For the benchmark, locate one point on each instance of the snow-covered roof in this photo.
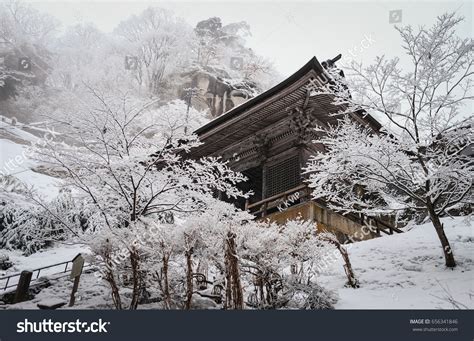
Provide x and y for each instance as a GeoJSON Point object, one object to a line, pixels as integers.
{"type": "Point", "coordinates": [312, 64]}
{"type": "Point", "coordinates": [267, 109]}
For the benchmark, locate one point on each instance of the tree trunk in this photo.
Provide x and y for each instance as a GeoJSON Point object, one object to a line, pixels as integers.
{"type": "Point", "coordinates": [234, 292]}
{"type": "Point", "coordinates": [448, 252]}
{"type": "Point", "coordinates": [228, 281]}
{"type": "Point", "coordinates": [166, 286]}
{"type": "Point", "coordinates": [189, 279]}
{"type": "Point", "coordinates": [351, 278]}
{"type": "Point", "coordinates": [115, 291]}
{"type": "Point", "coordinates": [135, 263]}
{"type": "Point", "coordinates": [109, 277]}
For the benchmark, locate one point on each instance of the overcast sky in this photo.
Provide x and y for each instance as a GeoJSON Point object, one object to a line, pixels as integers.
{"type": "Point", "coordinates": [289, 34]}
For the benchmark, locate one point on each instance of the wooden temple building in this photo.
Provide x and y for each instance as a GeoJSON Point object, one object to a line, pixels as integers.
{"type": "Point", "coordinates": [270, 137]}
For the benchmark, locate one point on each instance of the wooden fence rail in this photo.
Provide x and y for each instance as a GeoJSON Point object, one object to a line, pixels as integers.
{"type": "Point", "coordinates": [36, 273]}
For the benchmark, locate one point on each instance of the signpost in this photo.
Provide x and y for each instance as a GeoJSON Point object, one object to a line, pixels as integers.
{"type": "Point", "coordinates": [23, 286]}
{"type": "Point", "coordinates": [76, 271]}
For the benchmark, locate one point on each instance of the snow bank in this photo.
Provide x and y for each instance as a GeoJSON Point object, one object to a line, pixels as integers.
{"type": "Point", "coordinates": [58, 254]}
{"type": "Point", "coordinates": [14, 161]}
{"type": "Point", "coordinates": [15, 133]}
{"type": "Point", "coordinates": [406, 271]}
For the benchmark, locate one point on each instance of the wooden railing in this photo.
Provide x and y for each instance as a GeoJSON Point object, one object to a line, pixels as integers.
{"type": "Point", "coordinates": [9, 283]}
{"type": "Point", "coordinates": [261, 207]}
{"type": "Point", "coordinates": [377, 223]}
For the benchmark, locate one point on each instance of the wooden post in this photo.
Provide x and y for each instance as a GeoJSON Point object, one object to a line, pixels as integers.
{"type": "Point", "coordinates": [76, 271]}
{"type": "Point", "coordinates": [74, 290]}
{"type": "Point", "coordinates": [22, 287]}
{"type": "Point", "coordinates": [264, 181]}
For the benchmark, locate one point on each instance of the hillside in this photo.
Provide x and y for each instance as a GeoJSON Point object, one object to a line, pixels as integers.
{"type": "Point", "coordinates": [403, 271]}
{"type": "Point", "coordinates": [16, 163]}
{"type": "Point", "coordinates": [406, 271]}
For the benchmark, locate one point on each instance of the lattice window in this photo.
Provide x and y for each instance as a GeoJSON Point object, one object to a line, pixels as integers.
{"type": "Point", "coordinates": [283, 176]}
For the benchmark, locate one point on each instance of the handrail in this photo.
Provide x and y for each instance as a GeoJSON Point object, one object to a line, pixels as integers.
{"type": "Point", "coordinates": [6, 286]}
{"type": "Point", "coordinates": [263, 207]}
{"type": "Point", "coordinates": [277, 196]}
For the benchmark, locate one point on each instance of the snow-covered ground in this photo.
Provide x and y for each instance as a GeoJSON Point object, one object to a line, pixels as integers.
{"type": "Point", "coordinates": [92, 292]}
{"type": "Point", "coordinates": [402, 271]}
{"type": "Point", "coordinates": [15, 161]}
{"type": "Point", "coordinates": [406, 271]}
{"type": "Point", "coordinates": [59, 254]}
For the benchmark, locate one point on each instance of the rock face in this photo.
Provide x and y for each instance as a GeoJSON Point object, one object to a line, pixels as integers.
{"type": "Point", "coordinates": [214, 90]}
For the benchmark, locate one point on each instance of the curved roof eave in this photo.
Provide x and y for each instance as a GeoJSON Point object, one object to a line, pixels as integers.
{"type": "Point", "coordinates": [312, 64]}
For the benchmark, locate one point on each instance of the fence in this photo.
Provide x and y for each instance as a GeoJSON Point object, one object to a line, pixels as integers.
{"type": "Point", "coordinates": [11, 281]}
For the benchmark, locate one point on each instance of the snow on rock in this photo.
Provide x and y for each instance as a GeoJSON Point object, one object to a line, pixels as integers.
{"type": "Point", "coordinates": [406, 271]}
{"type": "Point", "coordinates": [14, 161]}
{"type": "Point", "coordinates": [14, 133]}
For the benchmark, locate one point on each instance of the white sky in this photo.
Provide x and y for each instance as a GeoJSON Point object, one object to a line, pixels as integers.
{"type": "Point", "coordinates": [289, 34]}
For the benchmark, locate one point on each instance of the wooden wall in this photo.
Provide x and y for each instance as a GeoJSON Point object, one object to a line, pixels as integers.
{"type": "Point", "coordinates": [326, 220]}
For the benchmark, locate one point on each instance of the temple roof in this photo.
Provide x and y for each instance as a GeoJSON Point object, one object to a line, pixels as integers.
{"type": "Point", "coordinates": [268, 109]}
{"type": "Point", "coordinates": [312, 64]}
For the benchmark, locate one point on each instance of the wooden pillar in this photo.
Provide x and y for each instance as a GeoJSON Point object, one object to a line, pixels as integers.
{"type": "Point", "coordinates": [23, 286]}
{"type": "Point", "coordinates": [75, 286]}
{"type": "Point", "coordinates": [76, 271]}
{"type": "Point", "coordinates": [264, 181]}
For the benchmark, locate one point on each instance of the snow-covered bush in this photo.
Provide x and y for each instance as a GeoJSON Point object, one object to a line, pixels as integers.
{"type": "Point", "coordinates": [308, 296]}
{"type": "Point", "coordinates": [20, 229]}
{"type": "Point", "coordinates": [32, 227]}
{"type": "Point", "coordinates": [282, 261]}
{"type": "Point", "coordinates": [5, 262]}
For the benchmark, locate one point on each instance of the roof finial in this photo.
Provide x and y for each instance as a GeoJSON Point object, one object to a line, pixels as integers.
{"type": "Point", "coordinates": [330, 62]}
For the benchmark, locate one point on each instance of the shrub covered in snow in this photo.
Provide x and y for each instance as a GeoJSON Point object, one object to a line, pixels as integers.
{"type": "Point", "coordinates": [5, 262]}
{"type": "Point", "coordinates": [32, 227]}
{"type": "Point", "coordinates": [309, 296]}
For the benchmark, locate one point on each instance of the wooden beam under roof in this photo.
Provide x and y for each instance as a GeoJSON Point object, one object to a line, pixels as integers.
{"type": "Point", "coordinates": [267, 109]}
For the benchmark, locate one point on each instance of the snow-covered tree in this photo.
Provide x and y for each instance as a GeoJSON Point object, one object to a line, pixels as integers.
{"type": "Point", "coordinates": [161, 42]}
{"type": "Point", "coordinates": [282, 262]}
{"type": "Point", "coordinates": [25, 34]}
{"type": "Point", "coordinates": [419, 165]}
{"type": "Point", "coordinates": [214, 39]}
{"type": "Point", "coordinates": [85, 55]}
{"type": "Point", "coordinates": [216, 236]}
{"type": "Point", "coordinates": [21, 24]}
{"type": "Point", "coordinates": [217, 44]}
{"type": "Point", "coordinates": [130, 168]}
